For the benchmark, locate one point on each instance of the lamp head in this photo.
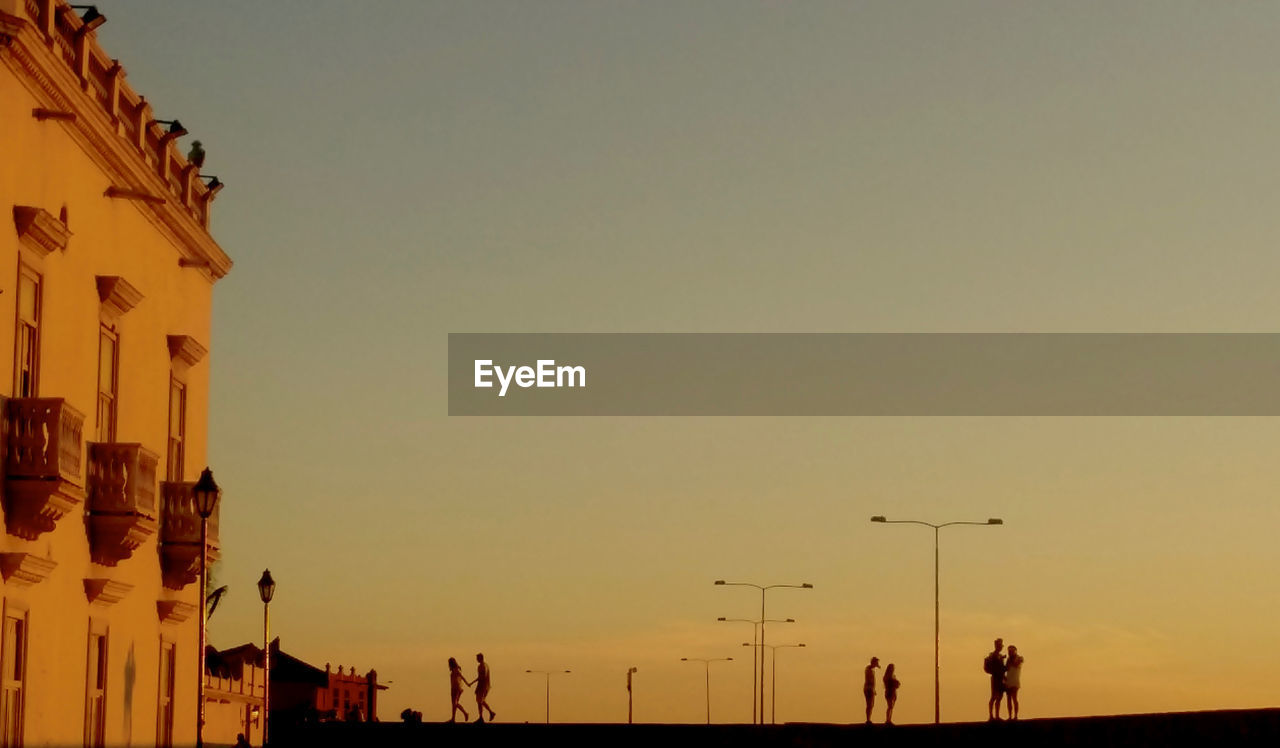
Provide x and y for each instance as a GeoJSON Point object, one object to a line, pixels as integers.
{"type": "Point", "coordinates": [206, 493]}
{"type": "Point", "coordinates": [995, 521]}
{"type": "Point", "coordinates": [175, 127]}
{"type": "Point", "coordinates": [722, 618]}
{"type": "Point", "coordinates": [878, 518]}
{"type": "Point", "coordinates": [806, 586]}
{"type": "Point", "coordinates": [719, 581]}
{"type": "Point", "coordinates": [266, 586]}
{"type": "Point", "coordinates": [91, 19]}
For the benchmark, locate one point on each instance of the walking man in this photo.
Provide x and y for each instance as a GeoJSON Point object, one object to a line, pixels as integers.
{"type": "Point", "coordinates": [869, 685]}
{"type": "Point", "coordinates": [482, 688]}
{"type": "Point", "coordinates": [994, 666]}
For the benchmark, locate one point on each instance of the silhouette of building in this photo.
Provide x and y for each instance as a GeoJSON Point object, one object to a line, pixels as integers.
{"type": "Point", "coordinates": [302, 693]}
{"type": "Point", "coordinates": [107, 271]}
{"type": "Point", "coordinates": [233, 690]}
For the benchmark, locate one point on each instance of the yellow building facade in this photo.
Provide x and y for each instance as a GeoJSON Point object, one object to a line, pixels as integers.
{"type": "Point", "coordinates": [107, 271]}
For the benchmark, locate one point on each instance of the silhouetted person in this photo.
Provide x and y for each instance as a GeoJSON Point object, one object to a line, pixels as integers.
{"type": "Point", "coordinates": [456, 681]}
{"type": "Point", "coordinates": [241, 741]}
{"type": "Point", "coordinates": [482, 688]}
{"type": "Point", "coordinates": [1013, 680]}
{"type": "Point", "coordinates": [869, 685]}
{"type": "Point", "coordinates": [891, 684]}
{"type": "Point", "coordinates": [994, 666]}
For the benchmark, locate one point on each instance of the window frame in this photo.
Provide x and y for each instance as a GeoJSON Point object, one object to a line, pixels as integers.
{"type": "Point", "coordinates": [21, 615]}
{"type": "Point", "coordinates": [27, 271]}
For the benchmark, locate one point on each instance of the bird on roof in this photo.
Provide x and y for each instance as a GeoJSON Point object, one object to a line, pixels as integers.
{"type": "Point", "coordinates": [196, 156]}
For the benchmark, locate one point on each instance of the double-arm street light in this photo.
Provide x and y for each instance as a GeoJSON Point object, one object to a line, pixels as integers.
{"type": "Point", "coordinates": [205, 494]}
{"type": "Point", "coordinates": [266, 590]}
{"type": "Point", "coordinates": [755, 640]}
{"type": "Point", "coordinates": [763, 589]}
{"type": "Point", "coordinates": [773, 667]}
{"type": "Point", "coordinates": [548, 674]}
{"type": "Point", "coordinates": [707, 664]}
{"type": "Point", "coordinates": [937, 687]}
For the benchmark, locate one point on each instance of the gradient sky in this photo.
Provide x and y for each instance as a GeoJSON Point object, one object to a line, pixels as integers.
{"type": "Point", "coordinates": [399, 171]}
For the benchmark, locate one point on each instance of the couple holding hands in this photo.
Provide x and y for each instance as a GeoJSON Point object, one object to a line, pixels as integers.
{"type": "Point", "coordinates": [457, 681]}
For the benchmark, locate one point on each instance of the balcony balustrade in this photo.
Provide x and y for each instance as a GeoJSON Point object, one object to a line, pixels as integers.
{"type": "Point", "coordinates": [43, 456]}
{"type": "Point", "coordinates": [122, 500]}
{"type": "Point", "coordinates": [180, 534]}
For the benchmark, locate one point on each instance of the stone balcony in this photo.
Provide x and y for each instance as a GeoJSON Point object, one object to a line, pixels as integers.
{"type": "Point", "coordinates": [180, 534]}
{"type": "Point", "coordinates": [44, 449]}
{"type": "Point", "coordinates": [122, 500]}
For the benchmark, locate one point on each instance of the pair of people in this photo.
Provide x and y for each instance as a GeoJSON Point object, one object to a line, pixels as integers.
{"type": "Point", "coordinates": [891, 684]}
{"type": "Point", "coordinates": [457, 681]}
{"type": "Point", "coordinates": [1006, 679]}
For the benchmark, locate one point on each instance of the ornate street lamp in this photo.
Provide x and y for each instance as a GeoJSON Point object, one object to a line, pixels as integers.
{"type": "Point", "coordinates": [206, 494]}
{"type": "Point", "coordinates": [266, 590]}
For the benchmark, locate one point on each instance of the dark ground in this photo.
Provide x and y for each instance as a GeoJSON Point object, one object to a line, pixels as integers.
{"type": "Point", "coordinates": [1228, 728]}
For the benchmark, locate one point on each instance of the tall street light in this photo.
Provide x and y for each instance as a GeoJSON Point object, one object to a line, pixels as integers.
{"type": "Point", "coordinates": [630, 672]}
{"type": "Point", "coordinates": [548, 674]}
{"type": "Point", "coordinates": [937, 682]}
{"type": "Point", "coordinates": [773, 687]}
{"type": "Point", "coordinates": [763, 589]}
{"type": "Point", "coordinates": [707, 664]}
{"type": "Point", "coordinates": [266, 590]}
{"type": "Point", "coordinates": [205, 494]}
{"type": "Point", "coordinates": [755, 639]}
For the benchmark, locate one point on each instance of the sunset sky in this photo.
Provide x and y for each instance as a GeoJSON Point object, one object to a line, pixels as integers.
{"type": "Point", "coordinates": [399, 171]}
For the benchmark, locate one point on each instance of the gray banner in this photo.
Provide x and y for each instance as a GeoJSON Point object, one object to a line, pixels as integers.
{"type": "Point", "coordinates": [887, 374]}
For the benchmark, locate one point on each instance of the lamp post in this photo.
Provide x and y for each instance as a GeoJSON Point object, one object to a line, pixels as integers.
{"type": "Point", "coordinates": [937, 680]}
{"type": "Point", "coordinates": [548, 674]}
{"type": "Point", "coordinates": [773, 687]}
{"type": "Point", "coordinates": [707, 664]}
{"type": "Point", "coordinates": [763, 589]}
{"type": "Point", "coordinates": [630, 672]}
{"type": "Point", "coordinates": [205, 494]}
{"type": "Point", "coordinates": [755, 638]}
{"type": "Point", "coordinates": [266, 590]}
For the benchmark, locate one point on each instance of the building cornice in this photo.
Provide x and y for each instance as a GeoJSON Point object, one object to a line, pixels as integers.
{"type": "Point", "coordinates": [106, 592]}
{"type": "Point", "coordinates": [181, 215]}
{"type": "Point", "coordinates": [117, 294]}
{"type": "Point", "coordinates": [39, 230]}
{"type": "Point", "coordinates": [186, 350]}
{"type": "Point", "coordinates": [174, 611]}
{"type": "Point", "coordinates": [25, 569]}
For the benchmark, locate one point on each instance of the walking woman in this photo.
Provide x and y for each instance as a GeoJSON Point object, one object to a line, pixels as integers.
{"type": "Point", "coordinates": [455, 690]}
{"type": "Point", "coordinates": [1013, 680]}
{"type": "Point", "coordinates": [890, 693]}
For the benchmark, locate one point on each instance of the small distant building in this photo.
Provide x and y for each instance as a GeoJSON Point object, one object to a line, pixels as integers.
{"type": "Point", "coordinates": [302, 693]}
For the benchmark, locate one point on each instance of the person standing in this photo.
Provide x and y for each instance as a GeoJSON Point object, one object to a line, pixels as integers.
{"type": "Point", "coordinates": [1012, 680]}
{"type": "Point", "coordinates": [869, 685]}
{"type": "Point", "coordinates": [994, 666]}
{"type": "Point", "coordinates": [456, 681]}
{"type": "Point", "coordinates": [482, 688]}
{"type": "Point", "coordinates": [890, 692]}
